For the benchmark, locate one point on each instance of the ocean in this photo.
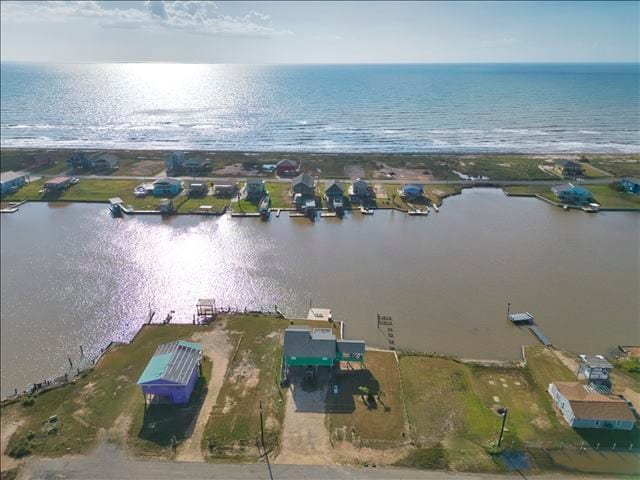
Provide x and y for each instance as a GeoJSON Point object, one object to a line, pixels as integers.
{"type": "Point", "coordinates": [464, 108]}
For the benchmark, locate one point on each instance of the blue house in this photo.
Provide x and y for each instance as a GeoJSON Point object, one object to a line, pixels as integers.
{"type": "Point", "coordinates": [569, 193]}
{"type": "Point", "coordinates": [167, 187]}
{"type": "Point", "coordinates": [12, 181]}
{"type": "Point", "coordinates": [172, 372]}
{"type": "Point", "coordinates": [174, 162]}
{"type": "Point", "coordinates": [630, 185]}
{"type": "Point", "coordinates": [412, 190]}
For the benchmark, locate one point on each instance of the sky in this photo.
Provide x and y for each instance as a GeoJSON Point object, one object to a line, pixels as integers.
{"type": "Point", "coordinates": [319, 32]}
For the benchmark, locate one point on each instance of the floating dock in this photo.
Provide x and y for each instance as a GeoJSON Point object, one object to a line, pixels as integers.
{"type": "Point", "coordinates": [520, 318]}
{"type": "Point", "coordinates": [319, 314]}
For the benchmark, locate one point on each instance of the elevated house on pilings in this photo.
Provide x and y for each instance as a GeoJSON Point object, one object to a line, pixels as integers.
{"type": "Point", "coordinates": [317, 348]}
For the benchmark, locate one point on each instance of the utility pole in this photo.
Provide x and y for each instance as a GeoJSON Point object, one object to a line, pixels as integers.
{"type": "Point", "coordinates": [262, 428]}
{"type": "Point", "coordinates": [508, 309]}
{"type": "Point", "coordinates": [504, 419]}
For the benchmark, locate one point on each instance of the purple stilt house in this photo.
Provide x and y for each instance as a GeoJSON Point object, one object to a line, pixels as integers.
{"type": "Point", "coordinates": [172, 372]}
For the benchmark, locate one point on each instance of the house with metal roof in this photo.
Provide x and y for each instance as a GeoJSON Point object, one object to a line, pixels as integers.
{"type": "Point", "coordinates": [168, 186]}
{"type": "Point", "coordinates": [11, 181]}
{"type": "Point", "coordinates": [286, 168]}
{"type": "Point", "coordinates": [568, 168]}
{"type": "Point", "coordinates": [304, 185]}
{"type": "Point", "coordinates": [318, 347]}
{"type": "Point", "coordinates": [595, 368]}
{"type": "Point", "coordinates": [334, 189]}
{"type": "Point", "coordinates": [172, 372]}
{"type": "Point", "coordinates": [630, 185]}
{"type": "Point", "coordinates": [591, 406]}
{"type": "Point", "coordinates": [412, 190]}
{"type": "Point", "coordinates": [570, 193]}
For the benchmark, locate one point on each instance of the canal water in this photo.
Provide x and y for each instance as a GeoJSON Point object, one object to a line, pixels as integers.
{"type": "Point", "coordinates": [72, 275]}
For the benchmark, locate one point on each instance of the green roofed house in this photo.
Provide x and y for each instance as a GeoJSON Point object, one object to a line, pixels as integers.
{"type": "Point", "coordinates": [318, 347]}
{"type": "Point", "coordinates": [172, 372]}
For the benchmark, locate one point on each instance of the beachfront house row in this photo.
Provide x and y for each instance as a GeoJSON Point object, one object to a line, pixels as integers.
{"type": "Point", "coordinates": [167, 187]}
{"type": "Point", "coordinates": [58, 183]}
{"type": "Point", "coordinates": [630, 185]}
{"type": "Point", "coordinates": [172, 373]}
{"type": "Point", "coordinates": [318, 347]}
{"type": "Point", "coordinates": [334, 190]}
{"type": "Point", "coordinates": [286, 168]}
{"type": "Point", "coordinates": [255, 189]}
{"type": "Point", "coordinates": [11, 181]}
{"type": "Point", "coordinates": [568, 168]}
{"type": "Point", "coordinates": [412, 190]}
{"type": "Point", "coordinates": [569, 193]}
{"type": "Point", "coordinates": [587, 406]}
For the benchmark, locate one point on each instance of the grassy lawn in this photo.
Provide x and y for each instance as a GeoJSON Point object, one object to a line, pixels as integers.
{"type": "Point", "coordinates": [620, 166]}
{"type": "Point", "coordinates": [434, 193]}
{"type": "Point", "coordinates": [378, 423]}
{"type": "Point", "coordinates": [527, 190]}
{"type": "Point", "coordinates": [153, 428]}
{"type": "Point", "coordinates": [94, 401]}
{"type": "Point", "coordinates": [443, 408]}
{"type": "Point", "coordinates": [252, 375]}
{"type": "Point", "coordinates": [279, 193]}
{"type": "Point", "coordinates": [185, 204]}
{"type": "Point", "coordinates": [610, 198]}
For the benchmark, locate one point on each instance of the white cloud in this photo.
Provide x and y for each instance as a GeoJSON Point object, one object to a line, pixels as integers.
{"type": "Point", "coordinates": [193, 16]}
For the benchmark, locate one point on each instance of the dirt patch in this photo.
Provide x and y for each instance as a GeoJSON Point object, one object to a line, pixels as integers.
{"type": "Point", "coordinates": [354, 171]}
{"type": "Point", "coordinates": [235, 169]}
{"type": "Point", "coordinates": [216, 346]}
{"type": "Point", "coordinates": [8, 426]}
{"type": "Point", "coordinates": [245, 373]}
{"type": "Point", "coordinates": [400, 174]}
{"type": "Point", "coordinates": [146, 168]}
{"type": "Point", "coordinates": [567, 361]}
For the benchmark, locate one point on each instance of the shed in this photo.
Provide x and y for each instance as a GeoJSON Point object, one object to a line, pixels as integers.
{"type": "Point", "coordinates": [412, 190]}
{"type": "Point", "coordinates": [172, 372]}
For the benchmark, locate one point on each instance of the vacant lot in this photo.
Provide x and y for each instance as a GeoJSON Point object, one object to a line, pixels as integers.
{"type": "Point", "coordinates": [93, 402]}
{"type": "Point", "coordinates": [606, 196]}
{"type": "Point", "coordinates": [377, 421]}
{"type": "Point", "coordinates": [280, 195]}
{"type": "Point", "coordinates": [252, 376]}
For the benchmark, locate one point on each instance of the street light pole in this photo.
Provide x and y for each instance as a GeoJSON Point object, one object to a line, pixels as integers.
{"type": "Point", "coordinates": [504, 419]}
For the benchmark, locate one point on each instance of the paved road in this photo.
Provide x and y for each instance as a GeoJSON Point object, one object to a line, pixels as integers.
{"type": "Point", "coordinates": [108, 462]}
{"type": "Point", "coordinates": [587, 181]}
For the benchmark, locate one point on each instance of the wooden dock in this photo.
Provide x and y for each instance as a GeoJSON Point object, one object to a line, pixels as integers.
{"type": "Point", "coordinates": [541, 336]}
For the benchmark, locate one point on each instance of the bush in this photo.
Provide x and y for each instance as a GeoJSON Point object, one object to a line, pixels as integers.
{"type": "Point", "coordinates": [27, 402]}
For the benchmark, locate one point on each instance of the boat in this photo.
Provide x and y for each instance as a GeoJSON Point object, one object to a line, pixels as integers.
{"type": "Point", "coordinates": [566, 207]}
{"type": "Point", "coordinates": [366, 211]}
{"type": "Point", "coordinates": [418, 212]}
{"type": "Point", "coordinates": [75, 180]}
{"type": "Point", "coordinates": [116, 210]}
{"type": "Point", "coordinates": [591, 208]}
{"type": "Point", "coordinates": [264, 208]}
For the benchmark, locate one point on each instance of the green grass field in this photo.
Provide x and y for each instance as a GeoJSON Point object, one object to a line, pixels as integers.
{"type": "Point", "coordinates": [252, 376]}
{"type": "Point", "coordinates": [94, 401]}
{"type": "Point", "coordinates": [377, 424]}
